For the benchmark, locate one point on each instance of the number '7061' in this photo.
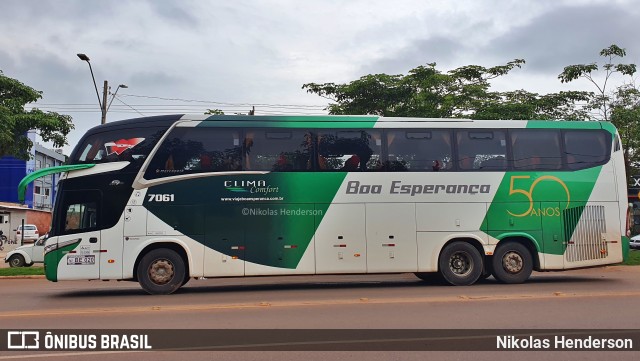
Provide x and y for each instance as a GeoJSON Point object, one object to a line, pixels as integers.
{"type": "Point", "coordinates": [161, 197]}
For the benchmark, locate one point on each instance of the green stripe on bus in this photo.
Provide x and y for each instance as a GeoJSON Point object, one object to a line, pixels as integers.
{"type": "Point", "coordinates": [294, 118]}
{"type": "Point", "coordinates": [290, 124]}
{"type": "Point", "coordinates": [272, 222]}
{"type": "Point", "coordinates": [551, 124]}
{"type": "Point", "coordinates": [546, 202]}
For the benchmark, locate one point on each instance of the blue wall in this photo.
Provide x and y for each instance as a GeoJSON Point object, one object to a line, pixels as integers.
{"type": "Point", "coordinates": [12, 171]}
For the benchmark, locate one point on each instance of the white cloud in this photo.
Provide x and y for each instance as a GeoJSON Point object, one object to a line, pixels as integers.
{"type": "Point", "coordinates": [263, 51]}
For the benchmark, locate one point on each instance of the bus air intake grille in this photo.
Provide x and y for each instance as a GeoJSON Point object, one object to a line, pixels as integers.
{"type": "Point", "coordinates": [587, 241]}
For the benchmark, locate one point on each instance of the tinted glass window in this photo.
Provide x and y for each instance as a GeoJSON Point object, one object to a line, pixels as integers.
{"type": "Point", "coordinates": [481, 150]}
{"type": "Point", "coordinates": [80, 211]}
{"type": "Point", "coordinates": [535, 149]}
{"type": "Point", "coordinates": [419, 150]}
{"type": "Point", "coordinates": [348, 150]}
{"type": "Point", "coordinates": [197, 150]}
{"type": "Point", "coordinates": [278, 150]}
{"type": "Point", "coordinates": [132, 145]}
{"type": "Point", "coordinates": [586, 148]}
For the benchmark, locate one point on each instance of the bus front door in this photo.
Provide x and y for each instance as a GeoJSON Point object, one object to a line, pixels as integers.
{"type": "Point", "coordinates": [79, 242]}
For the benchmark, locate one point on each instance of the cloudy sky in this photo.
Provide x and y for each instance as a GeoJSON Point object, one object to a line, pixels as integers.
{"type": "Point", "coordinates": [181, 56]}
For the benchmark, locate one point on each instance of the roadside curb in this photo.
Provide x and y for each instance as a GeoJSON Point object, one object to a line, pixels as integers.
{"type": "Point", "coordinates": [21, 277]}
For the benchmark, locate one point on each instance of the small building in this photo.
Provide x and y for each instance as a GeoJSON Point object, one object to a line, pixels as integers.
{"type": "Point", "coordinates": [40, 195]}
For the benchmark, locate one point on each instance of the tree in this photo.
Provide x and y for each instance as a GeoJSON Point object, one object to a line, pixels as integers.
{"type": "Point", "coordinates": [621, 106]}
{"type": "Point", "coordinates": [524, 105]}
{"type": "Point", "coordinates": [603, 100]}
{"type": "Point", "coordinates": [15, 121]}
{"type": "Point", "coordinates": [462, 92]}
{"type": "Point", "coordinates": [424, 92]}
{"type": "Point", "coordinates": [625, 115]}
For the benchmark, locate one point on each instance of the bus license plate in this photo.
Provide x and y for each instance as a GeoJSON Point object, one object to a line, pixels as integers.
{"type": "Point", "coordinates": [75, 260]}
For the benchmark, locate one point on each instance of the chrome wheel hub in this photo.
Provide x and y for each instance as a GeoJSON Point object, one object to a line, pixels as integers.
{"type": "Point", "coordinates": [460, 263]}
{"type": "Point", "coordinates": [161, 271]}
{"type": "Point", "coordinates": [512, 262]}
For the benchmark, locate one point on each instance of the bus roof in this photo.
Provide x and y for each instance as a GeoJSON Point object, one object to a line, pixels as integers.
{"type": "Point", "coordinates": [345, 121]}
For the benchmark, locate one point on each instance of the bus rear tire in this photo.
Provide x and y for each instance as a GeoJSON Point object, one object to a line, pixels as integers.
{"type": "Point", "coordinates": [161, 271]}
{"type": "Point", "coordinates": [460, 264]}
{"type": "Point", "coordinates": [512, 263]}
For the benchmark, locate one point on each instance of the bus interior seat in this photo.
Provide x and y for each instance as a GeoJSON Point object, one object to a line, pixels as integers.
{"type": "Point", "coordinates": [498, 163]}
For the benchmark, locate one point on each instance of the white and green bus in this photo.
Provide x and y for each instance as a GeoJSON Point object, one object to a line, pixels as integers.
{"type": "Point", "coordinates": [161, 200]}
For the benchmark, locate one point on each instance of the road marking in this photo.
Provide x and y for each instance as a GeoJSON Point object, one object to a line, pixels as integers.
{"type": "Point", "coordinates": [263, 305]}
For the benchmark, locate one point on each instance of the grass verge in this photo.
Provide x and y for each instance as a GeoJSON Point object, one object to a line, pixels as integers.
{"type": "Point", "coordinates": [634, 258]}
{"type": "Point", "coordinates": [22, 271]}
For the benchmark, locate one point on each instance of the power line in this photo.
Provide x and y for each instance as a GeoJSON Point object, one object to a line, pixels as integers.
{"type": "Point", "coordinates": [132, 109]}
{"type": "Point", "coordinates": [223, 103]}
{"type": "Point", "coordinates": [120, 100]}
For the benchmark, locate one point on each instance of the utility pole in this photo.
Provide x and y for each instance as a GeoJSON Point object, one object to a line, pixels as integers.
{"type": "Point", "coordinates": [105, 91]}
{"type": "Point", "coordinates": [104, 102]}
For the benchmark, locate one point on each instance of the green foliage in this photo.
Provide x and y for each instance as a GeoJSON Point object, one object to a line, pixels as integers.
{"type": "Point", "coordinates": [521, 104]}
{"type": "Point", "coordinates": [15, 121]}
{"type": "Point", "coordinates": [625, 116]}
{"type": "Point", "coordinates": [462, 92]}
{"type": "Point", "coordinates": [423, 92]}
{"type": "Point", "coordinates": [603, 99]}
{"type": "Point", "coordinates": [621, 106]}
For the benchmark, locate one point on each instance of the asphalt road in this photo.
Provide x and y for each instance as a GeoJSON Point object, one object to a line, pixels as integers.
{"type": "Point", "coordinates": [601, 298]}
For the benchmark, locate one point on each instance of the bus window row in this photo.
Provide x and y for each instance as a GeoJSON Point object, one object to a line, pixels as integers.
{"type": "Point", "coordinates": [197, 150]}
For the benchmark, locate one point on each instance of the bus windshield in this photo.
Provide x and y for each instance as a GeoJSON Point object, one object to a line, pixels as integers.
{"type": "Point", "coordinates": [132, 145]}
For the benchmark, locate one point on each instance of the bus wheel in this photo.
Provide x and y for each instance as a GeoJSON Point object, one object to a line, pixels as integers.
{"type": "Point", "coordinates": [161, 271]}
{"type": "Point", "coordinates": [460, 264]}
{"type": "Point", "coordinates": [512, 263]}
{"type": "Point", "coordinates": [186, 279]}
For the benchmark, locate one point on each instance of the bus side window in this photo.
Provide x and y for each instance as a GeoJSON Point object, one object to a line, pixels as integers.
{"type": "Point", "coordinates": [476, 147]}
{"type": "Point", "coordinates": [586, 148]}
{"type": "Point", "coordinates": [536, 149]}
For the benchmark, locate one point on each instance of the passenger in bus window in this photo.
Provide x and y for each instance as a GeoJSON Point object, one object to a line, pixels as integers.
{"type": "Point", "coordinates": [283, 163]}
{"type": "Point", "coordinates": [321, 161]}
{"type": "Point", "coordinates": [466, 161]}
{"type": "Point", "coordinates": [168, 165]}
{"type": "Point", "coordinates": [205, 162]}
{"type": "Point", "coordinates": [247, 145]}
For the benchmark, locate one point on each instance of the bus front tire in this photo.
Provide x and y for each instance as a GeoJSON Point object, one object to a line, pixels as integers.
{"type": "Point", "coordinates": [512, 263]}
{"type": "Point", "coordinates": [161, 271]}
{"type": "Point", "coordinates": [460, 264]}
